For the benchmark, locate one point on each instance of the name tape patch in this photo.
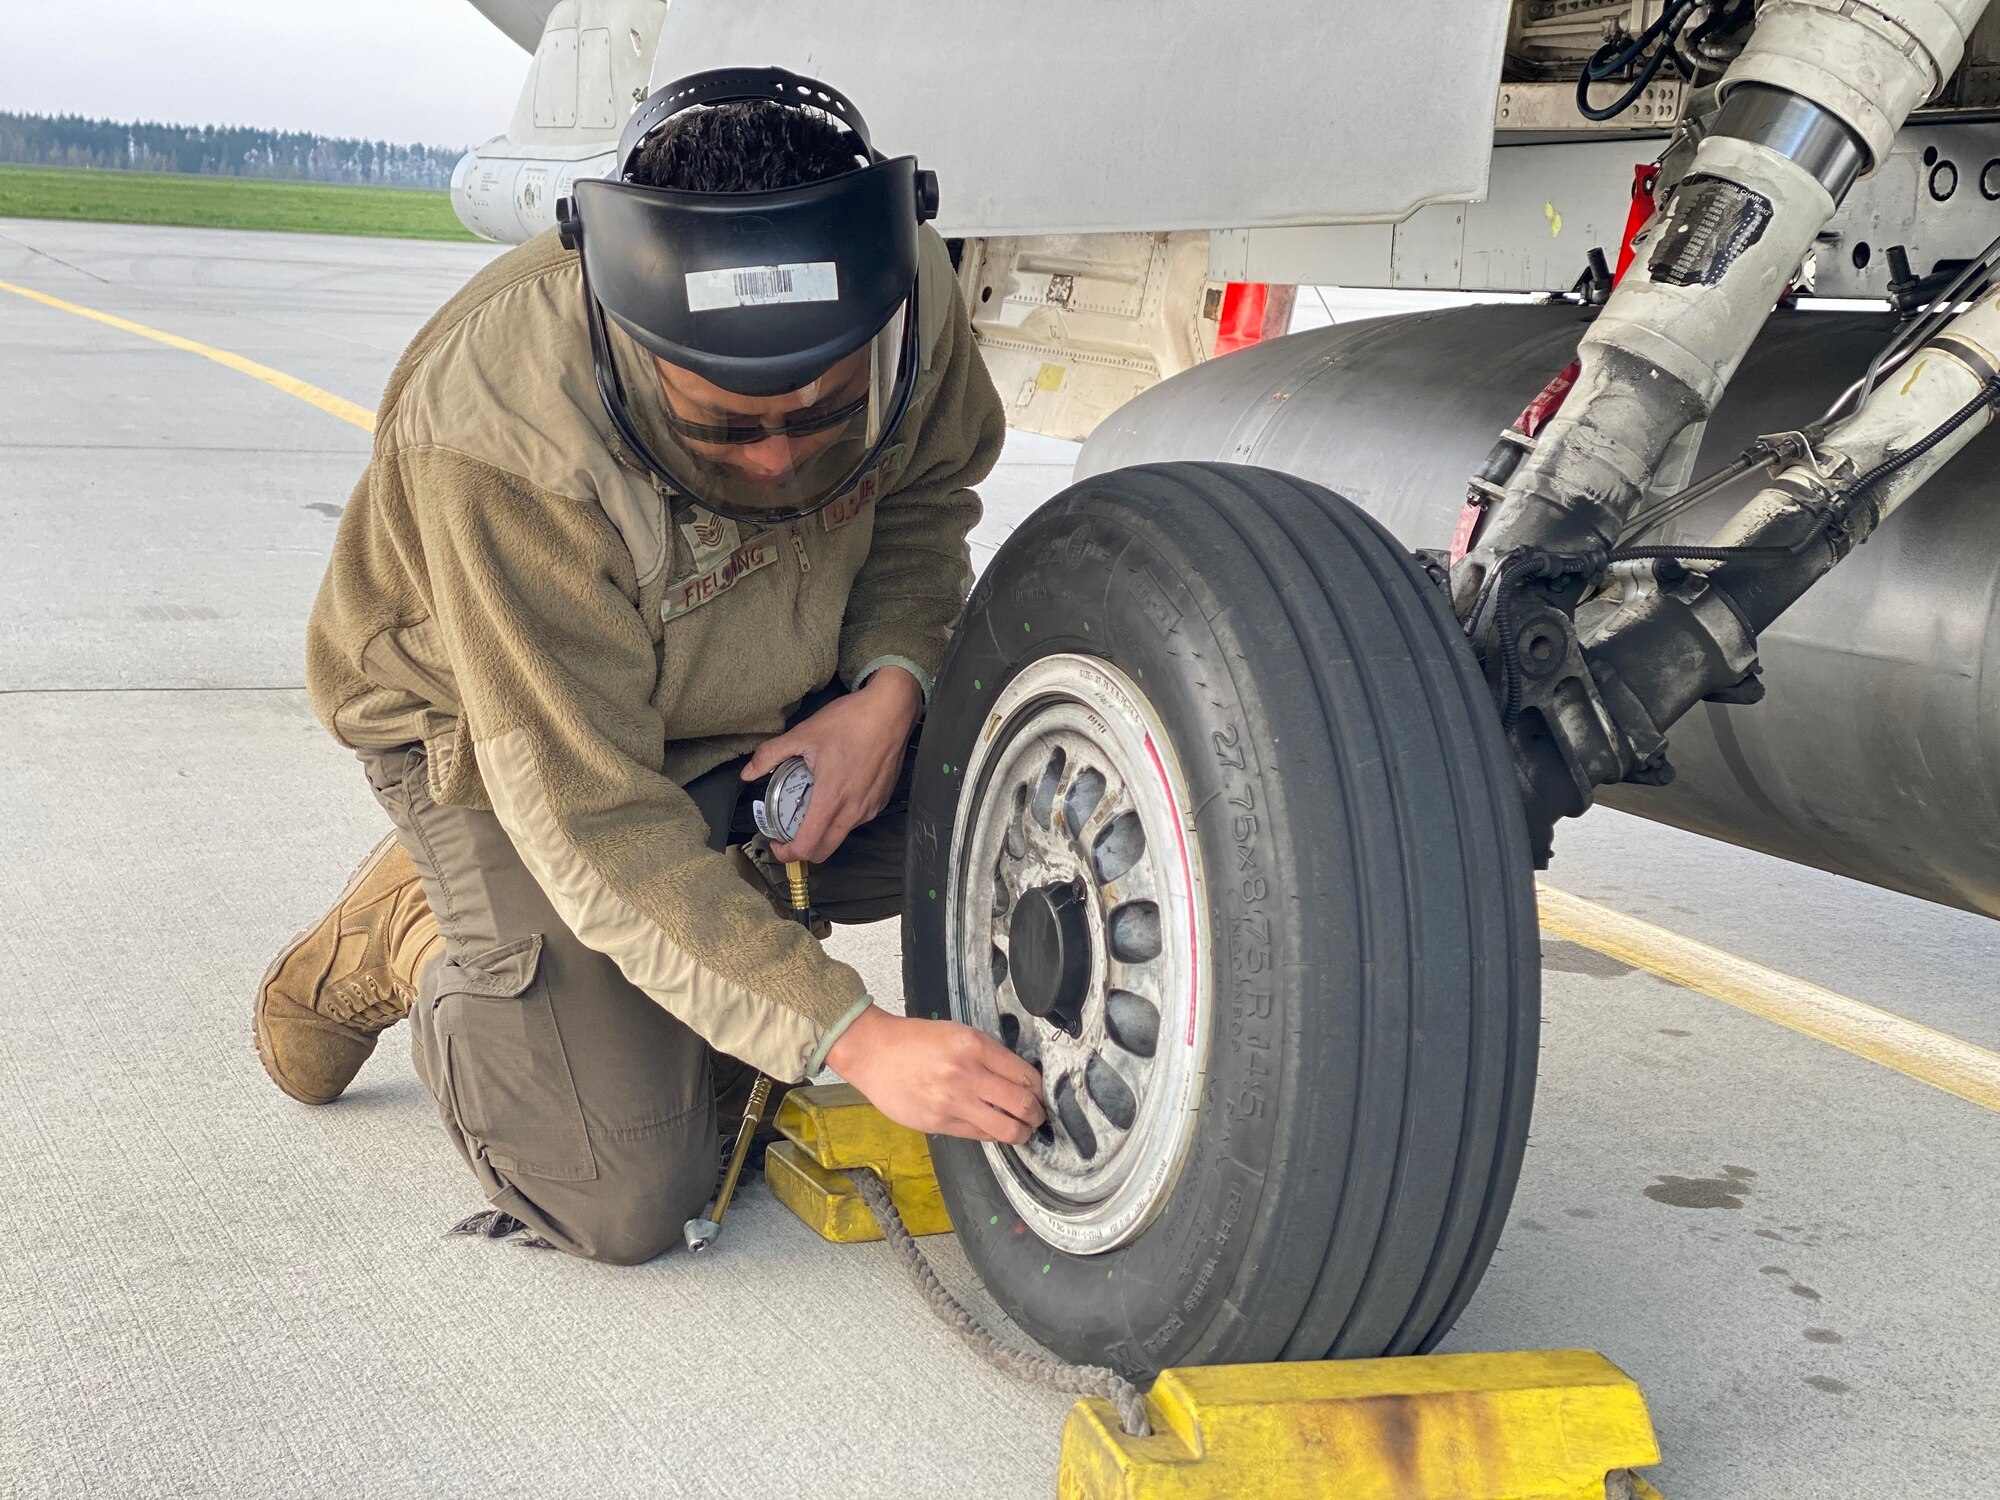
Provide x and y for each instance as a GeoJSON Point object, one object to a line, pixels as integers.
{"type": "Point", "coordinates": [763, 286]}
{"type": "Point", "coordinates": [692, 593]}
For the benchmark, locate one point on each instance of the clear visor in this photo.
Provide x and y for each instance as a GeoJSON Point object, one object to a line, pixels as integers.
{"type": "Point", "coordinates": [765, 459]}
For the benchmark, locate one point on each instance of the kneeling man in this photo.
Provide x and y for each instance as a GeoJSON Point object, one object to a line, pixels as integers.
{"type": "Point", "coordinates": [641, 522]}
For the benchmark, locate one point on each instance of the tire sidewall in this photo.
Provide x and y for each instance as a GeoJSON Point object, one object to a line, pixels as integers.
{"type": "Point", "coordinates": [1082, 581]}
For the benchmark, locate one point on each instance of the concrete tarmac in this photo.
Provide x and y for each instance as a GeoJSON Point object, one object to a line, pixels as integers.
{"type": "Point", "coordinates": [208, 1289]}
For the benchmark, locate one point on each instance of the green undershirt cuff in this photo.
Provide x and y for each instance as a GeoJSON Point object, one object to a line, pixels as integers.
{"type": "Point", "coordinates": [816, 1063]}
{"type": "Point", "coordinates": [923, 677]}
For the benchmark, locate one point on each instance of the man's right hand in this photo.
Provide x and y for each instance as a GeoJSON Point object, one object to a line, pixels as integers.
{"type": "Point", "coordinates": [940, 1077]}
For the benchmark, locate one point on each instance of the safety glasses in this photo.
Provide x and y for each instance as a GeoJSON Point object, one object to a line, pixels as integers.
{"type": "Point", "coordinates": [798, 425]}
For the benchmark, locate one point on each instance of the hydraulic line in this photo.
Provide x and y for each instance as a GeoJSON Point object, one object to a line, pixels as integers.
{"type": "Point", "coordinates": [1813, 100]}
{"type": "Point", "coordinates": [1652, 47]}
{"type": "Point", "coordinates": [1662, 653]}
{"type": "Point", "coordinates": [1661, 511]}
{"type": "Point", "coordinates": [1969, 285]}
{"type": "Point", "coordinates": [1835, 512]}
{"type": "Point", "coordinates": [1829, 515]}
{"type": "Point", "coordinates": [1663, 40]}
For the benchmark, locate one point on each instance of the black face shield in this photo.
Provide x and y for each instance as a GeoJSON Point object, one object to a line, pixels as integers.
{"type": "Point", "coordinates": [786, 320]}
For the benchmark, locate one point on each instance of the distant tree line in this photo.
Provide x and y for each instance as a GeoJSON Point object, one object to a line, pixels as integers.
{"type": "Point", "coordinates": [220, 150]}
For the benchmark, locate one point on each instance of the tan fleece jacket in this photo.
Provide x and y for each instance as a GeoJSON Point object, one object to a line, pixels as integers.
{"type": "Point", "coordinates": [508, 587]}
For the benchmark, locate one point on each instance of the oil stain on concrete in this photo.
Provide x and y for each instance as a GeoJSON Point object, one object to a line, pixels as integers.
{"type": "Point", "coordinates": [1725, 1191]}
{"type": "Point", "coordinates": [1796, 1288]}
{"type": "Point", "coordinates": [1808, 1235]}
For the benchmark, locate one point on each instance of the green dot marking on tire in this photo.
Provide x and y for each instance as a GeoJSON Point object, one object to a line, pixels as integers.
{"type": "Point", "coordinates": [1086, 631]}
{"type": "Point", "coordinates": [1026, 626]}
{"type": "Point", "coordinates": [994, 1220]}
{"type": "Point", "coordinates": [976, 684]}
{"type": "Point", "coordinates": [947, 768]}
{"type": "Point", "coordinates": [933, 894]}
{"type": "Point", "coordinates": [1045, 1270]}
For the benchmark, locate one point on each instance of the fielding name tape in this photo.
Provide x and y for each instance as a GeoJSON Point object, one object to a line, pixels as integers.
{"type": "Point", "coordinates": [763, 286]}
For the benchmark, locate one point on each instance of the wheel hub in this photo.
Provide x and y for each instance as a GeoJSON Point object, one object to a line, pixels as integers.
{"type": "Point", "coordinates": [1048, 950]}
{"type": "Point", "coordinates": [1077, 936]}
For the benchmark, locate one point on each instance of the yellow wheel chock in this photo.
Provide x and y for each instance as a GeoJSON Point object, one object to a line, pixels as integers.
{"type": "Point", "coordinates": [831, 1130]}
{"type": "Point", "coordinates": [1560, 1424]}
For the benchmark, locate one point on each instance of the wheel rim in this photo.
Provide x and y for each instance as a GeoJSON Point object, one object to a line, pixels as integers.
{"type": "Point", "coordinates": [1076, 933]}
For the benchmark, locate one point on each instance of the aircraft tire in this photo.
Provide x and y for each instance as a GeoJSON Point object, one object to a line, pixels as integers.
{"type": "Point", "coordinates": [1213, 819]}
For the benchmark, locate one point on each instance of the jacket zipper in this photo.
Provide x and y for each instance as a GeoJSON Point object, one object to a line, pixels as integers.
{"type": "Point", "coordinates": [799, 546]}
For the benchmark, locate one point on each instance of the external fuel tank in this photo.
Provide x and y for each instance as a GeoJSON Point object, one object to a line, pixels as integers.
{"type": "Point", "coordinates": [1876, 753]}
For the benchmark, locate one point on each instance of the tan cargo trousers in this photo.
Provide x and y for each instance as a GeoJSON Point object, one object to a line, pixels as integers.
{"type": "Point", "coordinates": [583, 1108]}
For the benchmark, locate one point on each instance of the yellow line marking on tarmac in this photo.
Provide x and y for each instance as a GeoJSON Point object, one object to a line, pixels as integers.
{"type": "Point", "coordinates": [1914, 1050]}
{"type": "Point", "coordinates": [312, 395]}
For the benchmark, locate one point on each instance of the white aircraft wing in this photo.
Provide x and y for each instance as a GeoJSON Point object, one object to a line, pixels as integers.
{"type": "Point", "coordinates": [1053, 116]}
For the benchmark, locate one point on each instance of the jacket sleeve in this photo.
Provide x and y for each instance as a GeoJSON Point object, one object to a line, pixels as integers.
{"type": "Point", "coordinates": [537, 605]}
{"type": "Point", "coordinates": [914, 581]}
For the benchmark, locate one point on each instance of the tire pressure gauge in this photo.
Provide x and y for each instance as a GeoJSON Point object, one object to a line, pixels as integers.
{"type": "Point", "coordinates": [782, 809]}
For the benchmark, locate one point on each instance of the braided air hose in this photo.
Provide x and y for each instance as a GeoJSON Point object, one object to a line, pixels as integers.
{"type": "Point", "coordinates": [1042, 1369]}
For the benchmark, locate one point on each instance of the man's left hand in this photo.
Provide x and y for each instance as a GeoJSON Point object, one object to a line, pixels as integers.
{"type": "Point", "coordinates": [854, 748]}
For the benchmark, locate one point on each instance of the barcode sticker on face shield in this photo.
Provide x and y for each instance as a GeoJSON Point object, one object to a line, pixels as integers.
{"type": "Point", "coordinates": [763, 286]}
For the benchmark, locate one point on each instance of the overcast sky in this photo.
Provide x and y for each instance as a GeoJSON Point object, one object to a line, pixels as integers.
{"type": "Point", "coordinates": [433, 71]}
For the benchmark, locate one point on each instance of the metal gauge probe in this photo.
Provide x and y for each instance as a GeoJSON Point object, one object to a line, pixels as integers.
{"type": "Point", "coordinates": [778, 815]}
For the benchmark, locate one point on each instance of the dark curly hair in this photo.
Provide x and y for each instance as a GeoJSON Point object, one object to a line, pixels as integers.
{"type": "Point", "coordinates": [753, 146]}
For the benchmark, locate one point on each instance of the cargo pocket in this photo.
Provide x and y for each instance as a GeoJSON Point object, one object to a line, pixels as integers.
{"type": "Point", "coordinates": [506, 1073]}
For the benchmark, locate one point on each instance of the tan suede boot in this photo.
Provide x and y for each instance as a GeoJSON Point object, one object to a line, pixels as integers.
{"type": "Point", "coordinates": [338, 985]}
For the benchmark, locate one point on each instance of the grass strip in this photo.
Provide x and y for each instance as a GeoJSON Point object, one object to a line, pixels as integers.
{"type": "Point", "coordinates": [227, 203]}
